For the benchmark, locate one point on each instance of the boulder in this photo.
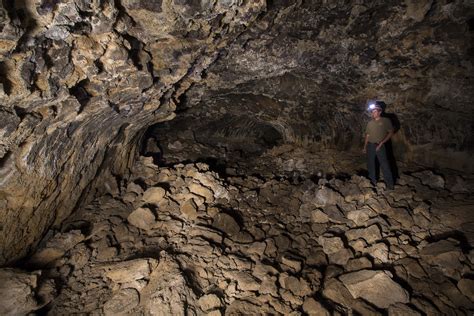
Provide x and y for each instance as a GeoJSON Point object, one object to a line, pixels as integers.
{"type": "Point", "coordinates": [331, 244]}
{"type": "Point", "coordinates": [17, 292]}
{"type": "Point", "coordinates": [142, 218]}
{"type": "Point", "coordinates": [209, 302]}
{"type": "Point", "coordinates": [153, 195]}
{"type": "Point", "coordinates": [189, 209]}
{"type": "Point", "coordinates": [445, 255]}
{"type": "Point", "coordinates": [226, 223]}
{"type": "Point", "coordinates": [313, 308]}
{"type": "Point", "coordinates": [466, 286]}
{"type": "Point", "coordinates": [369, 234]}
{"type": "Point", "coordinates": [201, 190]}
{"type": "Point", "coordinates": [377, 287]}
{"type": "Point", "coordinates": [122, 302]}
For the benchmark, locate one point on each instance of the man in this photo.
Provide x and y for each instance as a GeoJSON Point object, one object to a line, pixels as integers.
{"type": "Point", "coordinates": [379, 130]}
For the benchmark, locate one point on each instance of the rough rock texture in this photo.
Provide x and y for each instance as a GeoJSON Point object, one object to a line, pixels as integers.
{"type": "Point", "coordinates": [272, 95]}
{"type": "Point", "coordinates": [304, 73]}
{"type": "Point", "coordinates": [80, 82]}
{"type": "Point", "coordinates": [248, 251]}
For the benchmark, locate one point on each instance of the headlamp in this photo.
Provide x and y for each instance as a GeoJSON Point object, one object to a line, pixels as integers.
{"type": "Point", "coordinates": [373, 104]}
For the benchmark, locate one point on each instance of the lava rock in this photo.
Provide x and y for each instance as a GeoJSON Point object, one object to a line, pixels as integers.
{"type": "Point", "coordinates": [377, 287]}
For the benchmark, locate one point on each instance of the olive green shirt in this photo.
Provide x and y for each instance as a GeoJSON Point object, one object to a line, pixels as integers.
{"type": "Point", "coordinates": [378, 129]}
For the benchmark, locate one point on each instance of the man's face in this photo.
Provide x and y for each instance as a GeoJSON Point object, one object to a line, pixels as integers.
{"type": "Point", "coordinates": [376, 113]}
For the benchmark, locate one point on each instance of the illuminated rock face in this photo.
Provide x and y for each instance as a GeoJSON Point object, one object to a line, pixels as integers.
{"type": "Point", "coordinates": [81, 81]}
{"type": "Point", "coordinates": [181, 240]}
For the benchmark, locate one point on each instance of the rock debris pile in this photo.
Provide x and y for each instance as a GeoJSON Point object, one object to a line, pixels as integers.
{"type": "Point", "coordinates": [181, 240]}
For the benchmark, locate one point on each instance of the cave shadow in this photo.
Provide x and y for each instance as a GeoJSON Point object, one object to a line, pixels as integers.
{"type": "Point", "coordinates": [389, 146]}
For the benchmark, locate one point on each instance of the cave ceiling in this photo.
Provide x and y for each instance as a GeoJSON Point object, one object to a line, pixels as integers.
{"type": "Point", "coordinates": [81, 81]}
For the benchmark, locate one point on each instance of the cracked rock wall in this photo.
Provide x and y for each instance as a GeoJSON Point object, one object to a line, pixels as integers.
{"type": "Point", "coordinates": [309, 67]}
{"type": "Point", "coordinates": [79, 81]}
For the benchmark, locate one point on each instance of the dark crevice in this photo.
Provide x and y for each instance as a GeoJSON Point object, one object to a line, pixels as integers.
{"type": "Point", "coordinates": [80, 93]}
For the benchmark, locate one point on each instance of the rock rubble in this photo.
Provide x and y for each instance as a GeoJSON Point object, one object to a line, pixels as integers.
{"type": "Point", "coordinates": [181, 240]}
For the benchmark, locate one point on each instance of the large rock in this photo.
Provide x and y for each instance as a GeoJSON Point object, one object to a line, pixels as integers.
{"type": "Point", "coordinates": [142, 218]}
{"type": "Point", "coordinates": [226, 223]}
{"type": "Point", "coordinates": [369, 234]}
{"type": "Point", "coordinates": [153, 195]}
{"type": "Point", "coordinates": [445, 255]}
{"type": "Point", "coordinates": [331, 244]}
{"type": "Point", "coordinates": [377, 287]}
{"type": "Point", "coordinates": [55, 248]}
{"type": "Point", "coordinates": [17, 292]}
{"type": "Point", "coordinates": [122, 302]}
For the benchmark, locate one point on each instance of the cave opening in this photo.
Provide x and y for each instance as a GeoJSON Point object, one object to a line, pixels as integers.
{"type": "Point", "coordinates": [210, 158]}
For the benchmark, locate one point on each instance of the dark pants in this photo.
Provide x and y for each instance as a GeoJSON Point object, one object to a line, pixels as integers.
{"type": "Point", "coordinates": [383, 161]}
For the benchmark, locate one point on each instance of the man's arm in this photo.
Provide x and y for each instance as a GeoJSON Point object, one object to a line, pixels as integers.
{"type": "Point", "coordinates": [389, 135]}
{"type": "Point", "coordinates": [365, 143]}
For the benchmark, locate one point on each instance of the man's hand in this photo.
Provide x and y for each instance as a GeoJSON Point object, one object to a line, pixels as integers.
{"type": "Point", "coordinates": [378, 147]}
{"type": "Point", "coordinates": [364, 150]}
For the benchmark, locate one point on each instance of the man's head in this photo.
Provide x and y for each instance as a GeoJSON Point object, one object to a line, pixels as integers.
{"type": "Point", "coordinates": [374, 107]}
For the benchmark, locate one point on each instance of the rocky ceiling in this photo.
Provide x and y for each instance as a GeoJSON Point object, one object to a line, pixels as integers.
{"type": "Point", "coordinates": [82, 81]}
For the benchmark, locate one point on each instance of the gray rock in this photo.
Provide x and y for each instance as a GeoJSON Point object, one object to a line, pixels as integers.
{"type": "Point", "coordinates": [326, 196]}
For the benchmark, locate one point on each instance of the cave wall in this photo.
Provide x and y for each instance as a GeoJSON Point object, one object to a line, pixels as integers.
{"type": "Point", "coordinates": [80, 81]}
{"type": "Point", "coordinates": [313, 69]}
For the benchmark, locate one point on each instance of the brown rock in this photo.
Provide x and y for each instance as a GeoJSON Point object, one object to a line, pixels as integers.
{"type": "Point", "coordinates": [189, 209]}
{"type": "Point", "coordinates": [226, 223]}
{"type": "Point", "coordinates": [209, 302]}
{"type": "Point", "coordinates": [313, 308]}
{"type": "Point", "coordinates": [466, 286]}
{"type": "Point", "coordinates": [122, 302]}
{"type": "Point", "coordinates": [153, 195]}
{"type": "Point", "coordinates": [377, 287]}
{"type": "Point", "coordinates": [331, 245]}
{"type": "Point", "coordinates": [369, 234]}
{"type": "Point", "coordinates": [17, 292]}
{"type": "Point", "coordinates": [401, 310]}
{"type": "Point", "coordinates": [142, 218]}
{"type": "Point", "coordinates": [202, 191]}
{"type": "Point", "coordinates": [335, 291]}
{"type": "Point", "coordinates": [128, 271]}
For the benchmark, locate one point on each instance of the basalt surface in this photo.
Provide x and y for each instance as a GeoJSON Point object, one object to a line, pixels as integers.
{"type": "Point", "coordinates": [181, 240]}
{"type": "Point", "coordinates": [269, 94]}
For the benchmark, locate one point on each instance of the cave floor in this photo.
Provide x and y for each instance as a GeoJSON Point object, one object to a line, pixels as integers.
{"type": "Point", "coordinates": [181, 239]}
